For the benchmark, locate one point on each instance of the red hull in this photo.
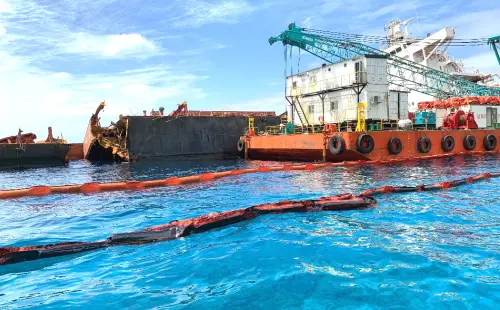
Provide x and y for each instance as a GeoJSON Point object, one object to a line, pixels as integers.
{"type": "Point", "coordinates": [311, 147]}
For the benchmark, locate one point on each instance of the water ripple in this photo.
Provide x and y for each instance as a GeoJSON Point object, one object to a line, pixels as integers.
{"type": "Point", "coordinates": [417, 250]}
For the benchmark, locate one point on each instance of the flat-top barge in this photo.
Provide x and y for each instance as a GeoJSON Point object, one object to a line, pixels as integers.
{"type": "Point", "coordinates": [22, 151]}
{"type": "Point", "coordinates": [181, 134]}
{"type": "Point", "coordinates": [357, 106]}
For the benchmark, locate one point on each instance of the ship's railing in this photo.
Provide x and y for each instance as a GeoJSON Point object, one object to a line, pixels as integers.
{"type": "Point", "coordinates": [228, 113]}
{"type": "Point", "coordinates": [298, 129]}
{"type": "Point", "coordinates": [313, 86]}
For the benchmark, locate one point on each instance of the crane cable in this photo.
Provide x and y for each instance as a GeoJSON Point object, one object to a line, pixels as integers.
{"type": "Point", "coordinates": [380, 39]}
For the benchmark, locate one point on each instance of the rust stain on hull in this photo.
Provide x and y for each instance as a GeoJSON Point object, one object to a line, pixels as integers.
{"type": "Point", "coordinates": [103, 143]}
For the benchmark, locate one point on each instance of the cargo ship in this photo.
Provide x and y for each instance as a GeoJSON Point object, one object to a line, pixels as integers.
{"type": "Point", "coordinates": [183, 133]}
{"type": "Point", "coordinates": [431, 52]}
{"type": "Point", "coordinates": [22, 151]}
{"type": "Point", "coordinates": [356, 108]}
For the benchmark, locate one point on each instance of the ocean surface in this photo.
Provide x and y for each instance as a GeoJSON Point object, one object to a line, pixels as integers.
{"type": "Point", "coordinates": [430, 250]}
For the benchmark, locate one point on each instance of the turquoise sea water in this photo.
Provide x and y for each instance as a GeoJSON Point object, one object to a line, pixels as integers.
{"type": "Point", "coordinates": [431, 250]}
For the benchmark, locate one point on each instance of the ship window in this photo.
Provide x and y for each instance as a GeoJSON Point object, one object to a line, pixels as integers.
{"type": "Point", "coordinates": [294, 84]}
{"type": "Point", "coordinates": [345, 65]}
{"type": "Point", "coordinates": [311, 108]}
{"type": "Point", "coordinates": [334, 105]}
{"type": "Point", "coordinates": [398, 49]}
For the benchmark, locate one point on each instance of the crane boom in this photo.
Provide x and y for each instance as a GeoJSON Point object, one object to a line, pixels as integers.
{"type": "Point", "coordinates": [493, 42]}
{"type": "Point", "coordinates": [401, 72]}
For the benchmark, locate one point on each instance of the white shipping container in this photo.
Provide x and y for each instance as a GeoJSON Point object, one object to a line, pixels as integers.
{"type": "Point", "coordinates": [331, 92]}
{"type": "Point", "coordinates": [398, 105]}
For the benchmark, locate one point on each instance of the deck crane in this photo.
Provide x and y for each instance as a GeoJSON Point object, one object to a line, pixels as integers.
{"type": "Point", "coordinates": [404, 73]}
{"type": "Point", "coordinates": [493, 41]}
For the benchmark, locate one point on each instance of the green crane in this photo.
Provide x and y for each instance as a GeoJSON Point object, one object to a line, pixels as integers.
{"type": "Point", "coordinates": [493, 42]}
{"type": "Point", "coordinates": [333, 47]}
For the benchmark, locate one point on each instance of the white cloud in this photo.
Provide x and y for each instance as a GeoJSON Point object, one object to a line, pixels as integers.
{"type": "Point", "coordinates": [55, 66]}
{"type": "Point", "coordinates": [465, 24]}
{"type": "Point", "coordinates": [486, 62]}
{"type": "Point", "coordinates": [469, 25]}
{"type": "Point", "coordinates": [110, 45]}
{"type": "Point", "coordinates": [34, 99]}
{"type": "Point", "coordinates": [61, 75]}
{"type": "Point", "coordinates": [65, 26]}
{"type": "Point", "coordinates": [332, 6]}
{"type": "Point", "coordinates": [5, 7]}
{"type": "Point", "coordinates": [133, 89]}
{"type": "Point", "coordinates": [314, 65]}
{"type": "Point", "coordinates": [395, 8]}
{"type": "Point", "coordinates": [198, 13]}
{"type": "Point", "coordinates": [307, 22]}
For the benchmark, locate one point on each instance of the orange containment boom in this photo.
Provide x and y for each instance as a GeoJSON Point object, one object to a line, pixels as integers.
{"type": "Point", "coordinates": [183, 228]}
{"type": "Point", "coordinates": [89, 188]}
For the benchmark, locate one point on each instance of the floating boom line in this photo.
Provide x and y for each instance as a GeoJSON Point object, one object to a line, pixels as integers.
{"type": "Point", "coordinates": [183, 228]}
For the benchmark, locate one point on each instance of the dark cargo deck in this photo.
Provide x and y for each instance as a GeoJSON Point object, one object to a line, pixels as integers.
{"type": "Point", "coordinates": [33, 154]}
{"type": "Point", "coordinates": [150, 137]}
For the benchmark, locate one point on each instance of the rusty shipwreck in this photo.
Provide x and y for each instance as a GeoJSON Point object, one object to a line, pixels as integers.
{"type": "Point", "coordinates": [181, 134]}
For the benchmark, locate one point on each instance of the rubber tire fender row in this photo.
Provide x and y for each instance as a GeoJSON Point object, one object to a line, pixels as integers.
{"type": "Point", "coordinates": [490, 142]}
{"type": "Point", "coordinates": [240, 145]}
{"type": "Point", "coordinates": [395, 145]}
{"type": "Point", "coordinates": [447, 143]}
{"type": "Point", "coordinates": [365, 144]}
{"type": "Point", "coordinates": [469, 142]}
{"type": "Point", "coordinates": [336, 145]}
{"type": "Point", "coordinates": [421, 145]}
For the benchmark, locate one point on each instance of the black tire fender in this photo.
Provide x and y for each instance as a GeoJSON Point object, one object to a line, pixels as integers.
{"type": "Point", "coordinates": [240, 145]}
{"type": "Point", "coordinates": [447, 143]}
{"type": "Point", "coordinates": [336, 145]}
{"type": "Point", "coordinates": [365, 144]}
{"type": "Point", "coordinates": [490, 142]}
{"type": "Point", "coordinates": [424, 145]}
{"type": "Point", "coordinates": [470, 142]}
{"type": "Point", "coordinates": [395, 145]}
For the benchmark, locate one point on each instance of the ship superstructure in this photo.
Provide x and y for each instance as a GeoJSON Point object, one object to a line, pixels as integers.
{"type": "Point", "coordinates": [430, 52]}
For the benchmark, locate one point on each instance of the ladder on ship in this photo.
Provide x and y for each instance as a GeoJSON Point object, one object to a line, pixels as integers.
{"type": "Point", "coordinates": [297, 107]}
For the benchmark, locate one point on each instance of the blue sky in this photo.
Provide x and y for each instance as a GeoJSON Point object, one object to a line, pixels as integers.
{"type": "Point", "coordinates": [60, 58]}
